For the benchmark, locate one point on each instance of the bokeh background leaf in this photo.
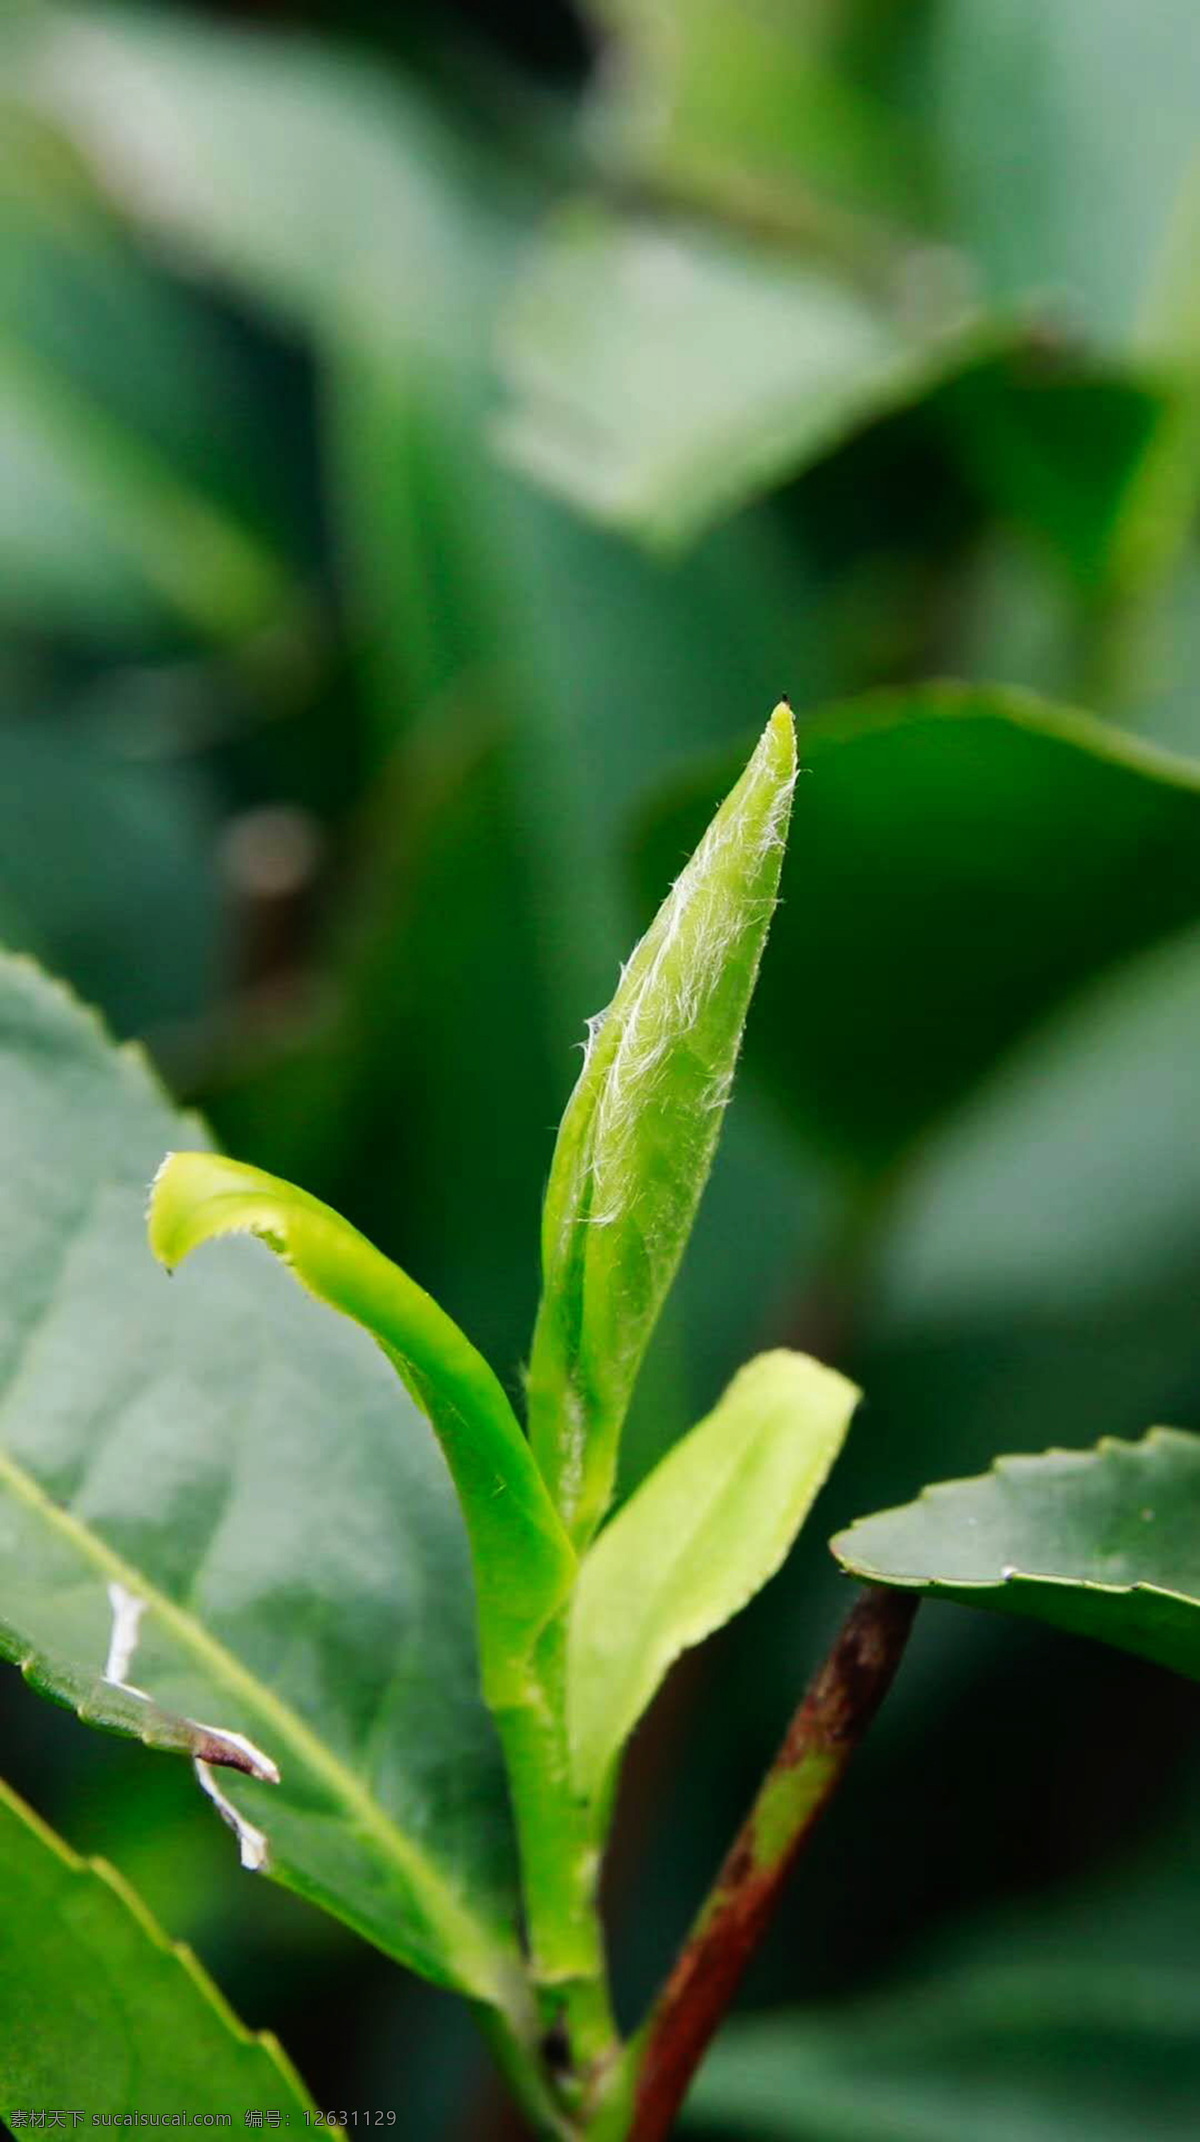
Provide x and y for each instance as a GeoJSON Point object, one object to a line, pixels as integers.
{"type": "Point", "coordinates": [925, 898]}
{"type": "Point", "coordinates": [396, 742]}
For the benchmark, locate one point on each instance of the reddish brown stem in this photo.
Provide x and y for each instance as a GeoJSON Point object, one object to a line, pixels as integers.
{"type": "Point", "coordinates": [841, 1702]}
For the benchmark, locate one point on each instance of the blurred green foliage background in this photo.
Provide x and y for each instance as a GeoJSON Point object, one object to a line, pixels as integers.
{"type": "Point", "coordinates": [430, 440]}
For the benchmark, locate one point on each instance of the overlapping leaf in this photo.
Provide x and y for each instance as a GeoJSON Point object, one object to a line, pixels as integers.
{"type": "Point", "coordinates": [123, 443]}
{"type": "Point", "coordinates": [249, 1468]}
{"type": "Point", "coordinates": [102, 2013]}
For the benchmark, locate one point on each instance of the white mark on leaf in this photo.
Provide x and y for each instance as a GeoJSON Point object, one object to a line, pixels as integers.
{"type": "Point", "coordinates": [207, 1743]}
{"type": "Point", "coordinates": [253, 1849]}
{"type": "Point", "coordinates": [127, 1612]}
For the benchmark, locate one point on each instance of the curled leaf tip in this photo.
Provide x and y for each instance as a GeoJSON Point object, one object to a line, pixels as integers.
{"type": "Point", "coordinates": [196, 1197]}
{"type": "Point", "coordinates": [151, 1198]}
{"type": "Point", "coordinates": [524, 1562]}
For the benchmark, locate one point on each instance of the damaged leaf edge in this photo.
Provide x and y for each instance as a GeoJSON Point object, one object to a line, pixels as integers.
{"type": "Point", "coordinates": [478, 1956]}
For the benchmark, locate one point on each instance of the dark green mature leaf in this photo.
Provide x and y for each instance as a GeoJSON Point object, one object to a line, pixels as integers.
{"type": "Point", "coordinates": [524, 1565]}
{"type": "Point", "coordinates": [250, 1469]}
{"type": "Point", "coordinates": [1102, 1542]}
{"type": "Point", "coordinates": [1060, 2016]}
{"type": "Point", "coordinates": [119, 428]}
{"type": "Point", "coordinates": [1084, 1153]}
{"type": "Point", "coordinates": [55, 562]}
{"type": "Point", "coordinates": [968, 858]}
{"type": "Point", "coordinates": [1059, 452]}
{"type": "Point", "coordinates": [1047, 2052]}
{"type": "Point", "coordinates": [639, 1131]}
{"type": "Point", "coordinates": [1039, 1269]}
{"type": "Point", "coordinates": [1068, 135]}
{"type": "Point", "coordinates": [132, 915]}
{"type": "Point", "coordinates": [662, 374]}
{"type": "Point", "coordinates": [701, 1535]}
{"type": "Point", "coordinates": [101, 2010]}
{"type": "Point", "coordinates": [87, 481]}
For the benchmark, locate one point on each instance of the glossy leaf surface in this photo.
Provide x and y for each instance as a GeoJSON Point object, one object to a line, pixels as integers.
{"type": "Point", "coordinates": [1102, 1542]}
{"type": "Point", "coordinates": [250, 1469]}
{"type": "Point", "coordinates": [103, 2012]}
{"type": "Point", "coordinates": [638, 1135]}
{"type": "Point", "coordinates": [697, 1540]}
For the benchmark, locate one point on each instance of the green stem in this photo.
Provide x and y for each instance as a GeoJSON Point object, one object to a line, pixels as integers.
{"type": "Point", "coordinates": [517, 2055]}
{"type": "Point", "coordinates": [560, 1871]}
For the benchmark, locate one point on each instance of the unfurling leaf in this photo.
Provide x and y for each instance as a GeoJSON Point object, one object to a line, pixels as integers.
{"type": "Point", "coordinates": [1102, 1542]}
{"type": "Point", "coordinates": [698, 1539]}
{"type": "Point", "coordinates": [637, 1138]}
{"type": "Point", "coordinates": [522, 1558]}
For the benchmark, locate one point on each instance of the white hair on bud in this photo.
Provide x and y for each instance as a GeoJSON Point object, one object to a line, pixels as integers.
{"type": "Point", "coordinates": [663, 1011]}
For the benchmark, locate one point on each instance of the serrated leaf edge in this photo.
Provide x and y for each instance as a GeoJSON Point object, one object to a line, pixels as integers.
{"type": "Point", "coordinates": [1013, 1461]}
{"type": "Point", "coordinates": [185, 1957]}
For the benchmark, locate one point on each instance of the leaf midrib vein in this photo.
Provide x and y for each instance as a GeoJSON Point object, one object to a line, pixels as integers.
{"type": "Point", "coordinates": [291, 1728]}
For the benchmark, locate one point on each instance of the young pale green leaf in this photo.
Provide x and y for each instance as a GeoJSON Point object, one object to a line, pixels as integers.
{"type": "Point", "coordinates": [637, 1139]}
{"type": "Point", "coordinates": [250, 1472]}
{"type": "Point", "coordinates": [1102, 1542]}
{"type": "Point", "coordinates": [524, 1563]}
{"type": "Point", "coordinates": [101, 2010]}
{"type": "Point", "coordinates": [702, 1534]}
